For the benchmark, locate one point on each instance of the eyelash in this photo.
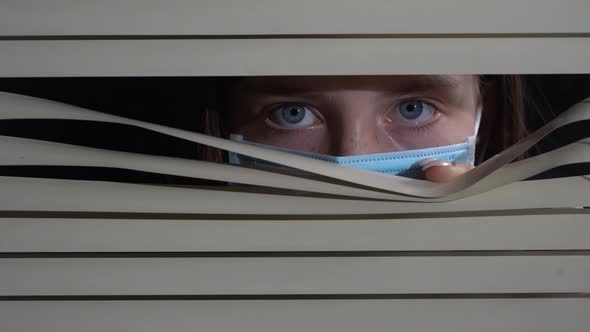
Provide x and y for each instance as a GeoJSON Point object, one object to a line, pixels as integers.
{"type": "Point", "coordinates": [269, 109]}
{"type": "Point", "coordinates": [421, 127]}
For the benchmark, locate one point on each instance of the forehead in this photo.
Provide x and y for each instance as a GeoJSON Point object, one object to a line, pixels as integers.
{"type": "Point", "coordinates": [400, 83]}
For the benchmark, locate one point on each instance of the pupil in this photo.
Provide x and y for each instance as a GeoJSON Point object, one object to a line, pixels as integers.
{"type": "Point", "coordinates": [293, 114]}
{"type": "Point", "coordinates": [411, 110]}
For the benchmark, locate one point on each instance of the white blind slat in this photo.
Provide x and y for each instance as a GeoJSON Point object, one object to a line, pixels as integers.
{"type": "Point", "coordinates": [28, 194]}
{"type": "Point", "coordinates": [293, 275]}
{"type": "Point", "coordinates": [514, 232]}
{"type": "Point", "coordinates": [461, 315]}
{"type": "Point", "coordinates": [251, 57]}
{"type": "Point", "coordinates": [213, 17]}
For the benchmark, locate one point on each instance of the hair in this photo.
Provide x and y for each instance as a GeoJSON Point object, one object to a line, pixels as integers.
{"type": "Point", "coordinates": [502, 121]}
{"type": "Point", "coordinates": [503, 117]}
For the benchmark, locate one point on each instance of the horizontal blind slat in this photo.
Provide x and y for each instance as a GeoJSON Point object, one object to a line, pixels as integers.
{"type": "Point", "coordinates": [214, 17]}
{"type": "Point", "coordinates": [293, 275]}
{"type": "Point", "coordinates": [30, 194]}
{"type": "Point", "coordinates": [275, 57]}
{"type": "Point", "coordinates": [539, 315]}
{"type": "Point", "coordinates": [515, 232]}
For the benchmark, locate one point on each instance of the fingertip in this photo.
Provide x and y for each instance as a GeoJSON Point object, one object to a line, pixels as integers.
{"type": "Point", "coordinates": [446, 173]}
{"type": "Point", "coordinates": [431, 162]}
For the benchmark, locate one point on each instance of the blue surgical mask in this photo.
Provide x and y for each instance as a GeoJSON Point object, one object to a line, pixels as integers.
{"type": "Point", "coordinates": [402, 163]}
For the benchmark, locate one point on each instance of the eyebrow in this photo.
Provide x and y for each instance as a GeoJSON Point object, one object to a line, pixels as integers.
{"type": "Point", "coordinates": [410, 84]}
{"type": "Point", "coordinates": [285, 85]}
{"type": "Point", "coordinates": [427, 83]}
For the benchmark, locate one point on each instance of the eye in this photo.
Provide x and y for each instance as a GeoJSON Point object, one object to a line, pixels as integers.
{"type": "Point", "coordinates": [293, 116]}
{"type": "Point", "coordinates": [412, 112]}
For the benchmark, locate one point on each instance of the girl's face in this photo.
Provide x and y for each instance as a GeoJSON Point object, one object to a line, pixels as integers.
{"type": "Point", "coordinates": [352, 115]}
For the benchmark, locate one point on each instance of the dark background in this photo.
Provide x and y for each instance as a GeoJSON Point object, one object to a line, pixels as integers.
{"type": "Point", "coordinates": [176, 101]}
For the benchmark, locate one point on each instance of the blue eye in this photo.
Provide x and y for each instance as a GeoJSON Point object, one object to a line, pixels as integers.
{"type": "Point", "coordinates": [414, 112]}
{"type": "Point", "coordinates": [292, 116]}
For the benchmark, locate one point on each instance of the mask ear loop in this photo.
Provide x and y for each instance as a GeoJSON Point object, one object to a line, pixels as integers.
{"type": "Point", "coordinates": [478, 112]}
{"type": "Point", "coordinates": [472, 140]}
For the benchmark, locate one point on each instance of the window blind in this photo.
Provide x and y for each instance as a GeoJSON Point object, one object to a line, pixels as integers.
{"type": "Point", "coordinates": [336, 250]}
{"type": "Point", "coordinates": [283, 17]}
{"type": "Point", "coordinates": [493, 241]}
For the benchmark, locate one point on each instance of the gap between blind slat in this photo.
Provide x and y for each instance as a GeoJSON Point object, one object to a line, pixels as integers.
{"type": "Point", "coordinates": [20, 151]}
{"type": "Point", "coordinates": [20, 107]}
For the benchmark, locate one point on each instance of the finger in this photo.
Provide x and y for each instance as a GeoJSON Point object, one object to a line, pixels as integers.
{"type": "Point", "coordinates": [442, 171]}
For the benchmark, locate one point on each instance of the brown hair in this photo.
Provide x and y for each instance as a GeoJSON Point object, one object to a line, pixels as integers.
{"type": "Point", "coordinates": [503, 118]}
{"type": "Point", "coordinates": [502, 123]}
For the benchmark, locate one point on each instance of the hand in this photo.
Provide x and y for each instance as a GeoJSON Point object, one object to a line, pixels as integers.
{"type": "Point", "coordinates": [441, 170]}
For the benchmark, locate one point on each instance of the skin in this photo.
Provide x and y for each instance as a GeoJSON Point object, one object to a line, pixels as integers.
{"type": "Point", "coordinates": [352, 115]}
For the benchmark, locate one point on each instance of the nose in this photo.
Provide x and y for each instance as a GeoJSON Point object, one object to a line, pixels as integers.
{"type": "Point", "coordinates": [356, 134]}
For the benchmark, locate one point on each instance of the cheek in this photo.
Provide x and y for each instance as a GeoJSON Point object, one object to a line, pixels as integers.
{"type": "Point", "coordinates": [455, 129]}
{"type": "Point", "coordinates": [253, 127]}
{"type": "Point", "coordinates": [312, 140]}
{"type": "Point", "coordinates": [447, 130]}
